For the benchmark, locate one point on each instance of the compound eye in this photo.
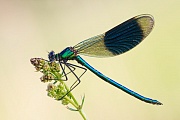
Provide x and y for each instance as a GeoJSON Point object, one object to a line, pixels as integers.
{"type": "Point", "coordinates": [51, 56]}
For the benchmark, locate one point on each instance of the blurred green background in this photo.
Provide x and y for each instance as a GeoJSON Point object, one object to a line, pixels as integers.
{"type": "Point", "coordinates": [31, 28]}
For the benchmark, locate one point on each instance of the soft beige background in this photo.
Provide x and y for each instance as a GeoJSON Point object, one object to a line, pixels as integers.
{"type": "Point", "coordinates": [31, 28]}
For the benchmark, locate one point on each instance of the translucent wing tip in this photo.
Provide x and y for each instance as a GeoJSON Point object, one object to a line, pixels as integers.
{"type": "Point", "coordinates": [146, 23]}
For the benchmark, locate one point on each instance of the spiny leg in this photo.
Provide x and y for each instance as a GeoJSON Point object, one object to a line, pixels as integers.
{"type": "Point", "coordinates": [49, 75]}
{"type": "Point", "coordinates": [78, 78]}
{"type": "Point", "coordinates": [77, 82]}
{"type": "Point", "coordinates": [63, 70]}
{"type": "Point", "coordinates": [72, 65]}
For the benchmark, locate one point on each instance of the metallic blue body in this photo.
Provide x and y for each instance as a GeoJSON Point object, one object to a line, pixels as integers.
{"type": "Point", "coordinates": [114, 83]}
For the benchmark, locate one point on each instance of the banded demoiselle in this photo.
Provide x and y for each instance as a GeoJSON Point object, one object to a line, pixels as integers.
{"type": "Point", "coordinates": [116, 41]}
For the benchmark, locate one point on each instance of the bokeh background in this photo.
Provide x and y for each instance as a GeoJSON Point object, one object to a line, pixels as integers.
{"type": "Point", "coordinates": [30, 28]}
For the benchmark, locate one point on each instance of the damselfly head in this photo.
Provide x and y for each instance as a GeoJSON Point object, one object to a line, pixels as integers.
{"type": "Point", "coordinates": [51, 56]}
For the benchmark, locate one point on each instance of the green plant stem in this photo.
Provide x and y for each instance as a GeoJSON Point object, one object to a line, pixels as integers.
{"type": "Point", "coordinates": [82, 114]}
{"type": "Point", "coordinates": [74, 102]}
